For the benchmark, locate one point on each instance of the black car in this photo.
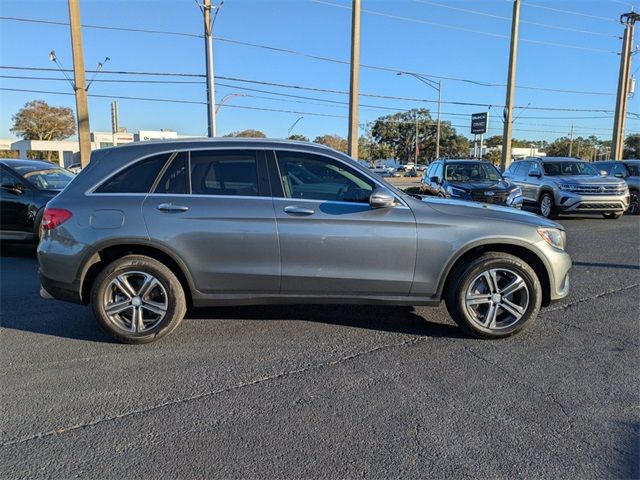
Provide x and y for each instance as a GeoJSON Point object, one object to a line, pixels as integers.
{"type": "Point", "coordinates": [472, 180]}
{"type": "Point", "coordinates": [25, 188]}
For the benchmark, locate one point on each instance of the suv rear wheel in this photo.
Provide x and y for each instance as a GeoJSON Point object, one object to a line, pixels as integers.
{"type": "Point", "coordinates": [137, 299]}
{"type": "Point", "coordinates": [495, 296]}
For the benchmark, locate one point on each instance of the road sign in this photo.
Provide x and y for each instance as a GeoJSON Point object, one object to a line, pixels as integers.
{"type": "Point", "coordinates": [479, 123]}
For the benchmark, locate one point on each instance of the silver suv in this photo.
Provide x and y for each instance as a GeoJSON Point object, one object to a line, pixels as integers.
{"type": "Point", "coordinates": [568, 185]}
{"type": "Point", "coordinates": [149, 229]}
{"type": "Point", "coordinates": [629, 171]}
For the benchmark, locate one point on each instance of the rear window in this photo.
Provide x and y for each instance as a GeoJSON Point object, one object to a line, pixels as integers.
{"type": "Point", "coordinates": [137, 178]}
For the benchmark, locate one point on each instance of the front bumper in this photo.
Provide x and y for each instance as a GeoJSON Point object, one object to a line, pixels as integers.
{"type": "Point", "coordinates": [569, 202]}
{"type": "Point", "coordinates": [558, 264]}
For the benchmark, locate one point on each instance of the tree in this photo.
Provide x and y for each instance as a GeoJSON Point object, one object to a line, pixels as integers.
{"type": "Point", "coordinates": [298, 137]}
{"type": "Point", "coordinates": [333, 141]}
{"type": "Point", "coordinates": [247, 134]}
{"type": "Point", "coordinates": [37, 120]}
{"type": "Point", "coordinates": [584, 148]}
{"type": "Point", "coordinates": [398, 132]}
{"type": "Point", "coordinates": [632, 146]}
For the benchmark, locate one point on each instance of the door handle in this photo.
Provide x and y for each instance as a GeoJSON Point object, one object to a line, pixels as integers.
{"type": "Point", "coordinates": [293, 210]}
{"type": "Point", "coordinates": [170, 207]}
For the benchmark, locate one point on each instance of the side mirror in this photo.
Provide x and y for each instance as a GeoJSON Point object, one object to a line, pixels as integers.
{"type": "Point", "coordinates": [619, 175]}
{"type": "Point", "coordinates": [434, 180]}
{"type": "Point", "coordinates": [604, 173]}
{"type": "Point", "coordinates": [381, 198]}
{"type": "Point", "coordinates": [535, 174]}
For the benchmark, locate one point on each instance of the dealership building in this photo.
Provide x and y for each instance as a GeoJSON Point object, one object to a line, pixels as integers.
{"type": "Point", "coordinates": [68, 151]}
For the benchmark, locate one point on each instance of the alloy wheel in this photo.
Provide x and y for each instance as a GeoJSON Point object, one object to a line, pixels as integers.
{"type": "Point", "coordinates": [545, 205]}
{"type": "Point", "coordinates": [497, 298]}
{"type": "Point", "coordinates": [633, 204]}
{"type": "Point", "coordinates": [135, 302]}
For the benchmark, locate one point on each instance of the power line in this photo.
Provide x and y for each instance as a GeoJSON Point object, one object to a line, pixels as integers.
{"type": "Point", "coordinates": [270, 92]}
{"type": "Point", "coordinates": [463, 29]}
{"type": "Point", "coordinates": [502, 17]}
{"type": "Point", "coordinates": [317, 89]}
{"type": "Point", "coordinates": [569, 12]}
{"type": "Point", "coordinates": [246, 107]}
{"type": "Point", "coordinates": [104, 27]}
{"type": "Point", "coordinates": [332, 60]}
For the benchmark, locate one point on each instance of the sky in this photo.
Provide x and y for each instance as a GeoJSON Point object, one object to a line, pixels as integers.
{"type": "Point", "coordinates": [463, 41]}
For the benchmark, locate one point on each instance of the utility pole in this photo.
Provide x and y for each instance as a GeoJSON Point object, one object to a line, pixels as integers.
{"type": "Point", "coordinates": [79, 83]}
{"type": "Point", "coordinates": [571, 141]}
{"type": "Point", "coordinates": [438, 129]}
{"type": "Point", "coordinates": [624, 84]}
{"type": "Point", "coordinates": [208, 45]}
{"type": "Point", "coordinates": [355, 79]}
{"type": "Point", "coordinates": [511, 88]}
{"type": "Point", "coordinates": [415, 160]}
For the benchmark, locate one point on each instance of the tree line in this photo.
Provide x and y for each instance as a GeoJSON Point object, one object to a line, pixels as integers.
{"type": "Point", "coordinates": [406, 136]}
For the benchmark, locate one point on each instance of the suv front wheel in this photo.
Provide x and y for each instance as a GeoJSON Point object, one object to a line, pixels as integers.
{"type": "Point", "coordinates": [137, 299]}
{"type": "Point", "coordinates": [495, 296]}
{"type": "Point", "coordinates": [547, 207]}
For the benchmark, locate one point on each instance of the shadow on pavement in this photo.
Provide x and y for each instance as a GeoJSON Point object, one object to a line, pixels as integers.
{"type": "Point", "coordinates": [395, 319]}
{"type": "Point", "coordinates": [607, 265]}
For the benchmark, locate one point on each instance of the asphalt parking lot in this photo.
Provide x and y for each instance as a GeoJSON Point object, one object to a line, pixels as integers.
{"type": "Point", "coordinates": [330, 391]}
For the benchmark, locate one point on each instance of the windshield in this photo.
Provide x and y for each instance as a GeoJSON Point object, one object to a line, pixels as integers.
{"type": "Point", "coordinates": [471, 172]}
{"type": "Point", "coordinates": [555, 169]}
{"type": "Point", "coordinates": [46, 179]}
{"type": "Point", "coordinates": [634, 169]}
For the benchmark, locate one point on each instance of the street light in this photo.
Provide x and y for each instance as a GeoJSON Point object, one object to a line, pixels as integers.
{"type": "Point", "coordinates": [293, 125]}
{"type": "Point", "coordinates": [436, 86]}
{"type": "Point", "coordinates": [227, 97]}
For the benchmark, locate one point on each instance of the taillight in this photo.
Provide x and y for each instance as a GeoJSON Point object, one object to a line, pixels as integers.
{"type": "Point", "coordinates": [54, 217]}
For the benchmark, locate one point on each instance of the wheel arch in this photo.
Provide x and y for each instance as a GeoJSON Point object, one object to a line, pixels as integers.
{"type": "Point", "coordinates": [106, 253]}
{"type": "Point", "coordinates": [518, 250]}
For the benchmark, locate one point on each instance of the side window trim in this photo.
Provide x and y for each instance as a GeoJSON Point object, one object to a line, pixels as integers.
{"type": "Point", "coordinates": [164, 168]}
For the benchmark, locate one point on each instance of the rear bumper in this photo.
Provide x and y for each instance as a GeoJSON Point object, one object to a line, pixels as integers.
{"type": "Point", "coordinates": [59, 291]}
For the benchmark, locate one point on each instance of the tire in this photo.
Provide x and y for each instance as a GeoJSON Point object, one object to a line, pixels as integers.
{"type": "Point", "coordinates": [119, 285]}
{"type": "Point", "coordinates": [474, 318]}
{"type": "Point", "coordinates": [551, 212]}
{"type": "Point", "coordinates": [634, 208]}
{"type": "Point", "coordinates": [612, 215]}
{"type": "Point", "coordinates": [36, 224]}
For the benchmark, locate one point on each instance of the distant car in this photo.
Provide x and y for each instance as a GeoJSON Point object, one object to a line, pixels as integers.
{"type": "Point", "coordinates": [384, 171]}
{"type": "Point", "coordinates": [25, 188]}
{"type": "Point", "coordinates": [473, 180]}
{"type": "Point", "coordinates": [629, 170]}
{"type": "Point", "coordinates": [567, 185]}
{"type": "Point", "coordinates": [75, 168]}
{"type": "Point", "coordinates": [421, 167]}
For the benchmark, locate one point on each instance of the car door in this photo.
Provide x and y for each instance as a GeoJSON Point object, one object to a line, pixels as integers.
{"type": "Point", "coordinates": [531, 181]}
{"type": "Point", "coordinates": [331, 241]}
{"type": "Point", "coordinates": [15, 213]}
{"type": "Point", "coordinates": [212, 207]}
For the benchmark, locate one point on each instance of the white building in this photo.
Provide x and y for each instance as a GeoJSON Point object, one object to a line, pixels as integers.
{"type": "Point", "coordinates": [68, 151]}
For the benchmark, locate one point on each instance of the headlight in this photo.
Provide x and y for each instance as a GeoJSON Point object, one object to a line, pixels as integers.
{"type": "Point", "coordinates": [570, 187]}
{"type": "Point", "coordinates": [515, 192]}
{"type": "Point", "coordinates": [554, 237]}
{"type": "Point", "coordinates": [457, 192]}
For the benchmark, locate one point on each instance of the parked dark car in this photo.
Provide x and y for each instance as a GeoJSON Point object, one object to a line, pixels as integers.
{"type": "Point", "coordinates": [472, 180]}
{"type": "Point", "coordinates": [149, 229]}
{"type": "Point", "coordinates": [629, 170]}
{"type": "Point", "coordinates": [25, 188]}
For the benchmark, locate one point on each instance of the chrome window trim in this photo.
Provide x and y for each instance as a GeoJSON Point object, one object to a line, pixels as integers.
{"type": "Point", "coordinates": [292, 148]}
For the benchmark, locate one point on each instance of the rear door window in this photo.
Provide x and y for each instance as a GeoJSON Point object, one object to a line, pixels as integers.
{"type": "Point", "coordinates": [137, 178]}
{"type": "Point", "coordinates": [225, 172]}
{"type": "Point", "coordinates": [174, 180]}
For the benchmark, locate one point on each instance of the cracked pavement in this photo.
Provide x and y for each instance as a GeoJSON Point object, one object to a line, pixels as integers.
{"type": "Point", "coordinates": [330, 391]}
